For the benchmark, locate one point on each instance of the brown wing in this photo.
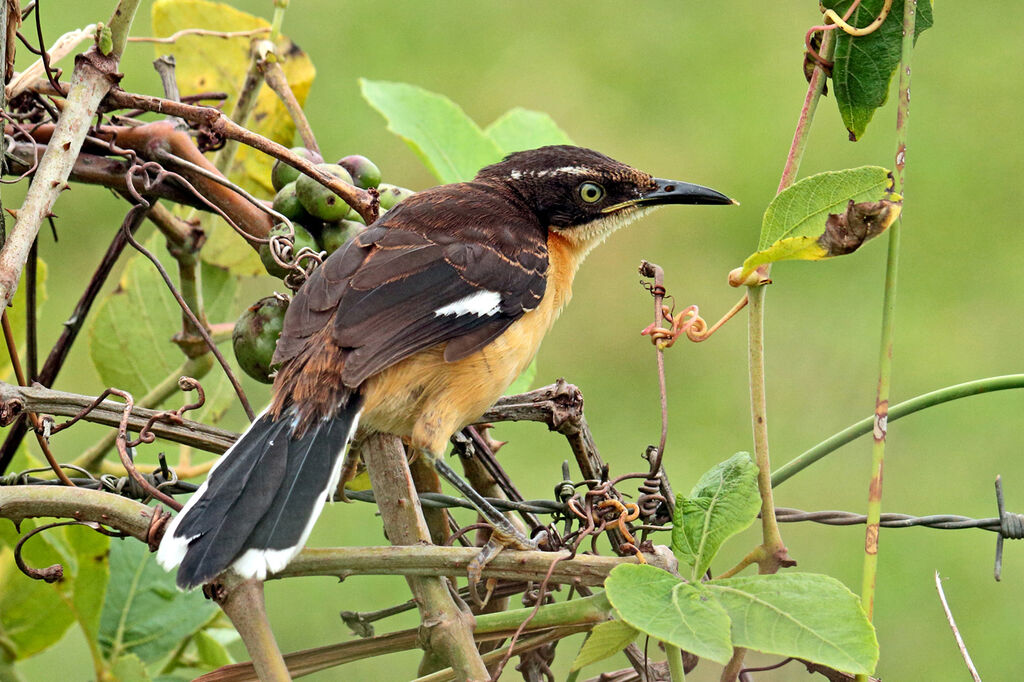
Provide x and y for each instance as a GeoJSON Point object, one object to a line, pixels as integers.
{"type": "Point", "coordinates": [393, 291]}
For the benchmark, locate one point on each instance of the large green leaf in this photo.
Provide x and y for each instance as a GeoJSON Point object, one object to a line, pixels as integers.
{"type": "Point", "coordinates": [130, 336]}
{"type": "Point", "coordinates": [129, 668]}
{"type": "Point", "coordinates": [661, 605]}
{"type": "Point", "coordinates": [604, 641]}
{"type": "Point", "coordinates": [144, 613]}
{"type": "Point", "coordinates": [76, 598]}
{"type": "Point", "coordinates": [450, 144]}
{"type": "Point", "coordinates": [864, 65]}
{"type": "Point", "coordinates": [518, 129]}
{"type": "Point", "coordinates": [826, 215]}
{"type": "Point", "coordinates": [724, 502]}
{"type": "Point", "coordinates": [804, 615]}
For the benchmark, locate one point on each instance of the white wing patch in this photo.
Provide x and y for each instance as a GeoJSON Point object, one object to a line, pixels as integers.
{"type": "Point", "coordinates": [480, 303]}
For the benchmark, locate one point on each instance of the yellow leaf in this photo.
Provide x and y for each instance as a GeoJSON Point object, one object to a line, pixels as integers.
{"type": "Point", "coordinates": [213, 64]}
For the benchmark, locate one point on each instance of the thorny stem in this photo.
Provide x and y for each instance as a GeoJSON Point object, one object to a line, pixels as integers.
{"type": "Point", "coordinates": [874, 511]}
{"type": "Point", "coordinates": [916, 404]}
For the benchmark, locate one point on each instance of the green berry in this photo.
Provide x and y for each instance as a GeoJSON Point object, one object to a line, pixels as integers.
{"type": "Point", "coordinates": [354, 215]}
{"type": "Point", "coordinates": [320, 201]}
{"type": "Point", "coordinates": [302, 238]}
{"type": "Point", "coordinates": [281, 174]}
{"type": "Point", "coordinates": [336, 234]}
{"type": "Point", "coordinates": [255, 337]}
{"type": "Point", "coordinates": [390, 195]}
{"type": "Point", "coordinates": [363, 171]}
{"type": "Point", "coordinates": [286, 202]}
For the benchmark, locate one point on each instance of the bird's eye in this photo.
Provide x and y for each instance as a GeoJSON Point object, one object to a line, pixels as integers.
{"type": "Point", "coordinates": [591, 192]}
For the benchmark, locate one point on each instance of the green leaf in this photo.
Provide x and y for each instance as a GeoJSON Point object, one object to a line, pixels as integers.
{"type": "Point", "coordinates": [605, 640]}
{"type": "Point", "coordinates": [724, 502]}
{"type": "Point", "coordinates": [144, 613]}
{"type": "Point", "coordinates": [130, 336]}
{"type": "Point", "coordinates": [77, 597]}
{"type": "Point", "coordinates": [518, 129]}
{"type": "Point", "coordinates": [448, 142]}
{"type": "Point", "coordinates": [864, 65]}
{"type": "Point", "coordinates": [814, 219]}
{"type": "Point", "coordinates": [212, 650]}
{"type": "Point", "coordinates": [129, 668]}
{"type": "Point", "coordinates": [661, 605]}
{"type": "Point", "coordinates": [16, 315]}
{"type": "Point", "coordinates": [804, 615]}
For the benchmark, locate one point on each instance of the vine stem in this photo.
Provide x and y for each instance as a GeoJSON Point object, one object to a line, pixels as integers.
{"type": "Point", "coordinates": [675, 663]}
{"type": "Point", "coordinates": [775, 554]}
{"type": "Point", "coordinates": [774, 551]}
{"type": "Point", "coordinates": [916, 404]}
{"type": "Point", "coordinates": [888, 323]}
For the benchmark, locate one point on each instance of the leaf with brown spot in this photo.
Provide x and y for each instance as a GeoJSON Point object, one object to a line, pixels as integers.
{"type": "Point", "coordinates": [826, 215]}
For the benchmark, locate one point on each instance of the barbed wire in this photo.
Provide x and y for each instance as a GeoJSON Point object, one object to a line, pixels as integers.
{"type": "Point", "coordinates": [1011, 525]}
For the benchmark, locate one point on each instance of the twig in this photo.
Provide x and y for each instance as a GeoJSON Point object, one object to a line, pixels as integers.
{"type": "Point", "coordinates": [447, 631]}
{"type": "Point", "coordinates": [15, 399]}
{"type": "Point", "coordinates": [12, 350]}
{"type": "Point", "coordinates": [363, 201]}
{"type": "Point", "coordinates": [94, 75]}
{"type": "Point", "coordinates": [197, 324]}
{"type": "Point", "coordinates": [956, 631]}
{"type": "Point", "coordinates": [567, 617]}
{"type": "Point", "coordinates": [174, 37]}
{"type": "Point", "coordinates": [244, 104]}
{"type": "Point", "coordinates": [99, 170]}
{"type": "Point", "coordinates": [274, 76]}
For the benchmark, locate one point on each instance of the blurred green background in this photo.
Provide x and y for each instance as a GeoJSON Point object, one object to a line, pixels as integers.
{"type": "Point", "coordinates": [705, 92]}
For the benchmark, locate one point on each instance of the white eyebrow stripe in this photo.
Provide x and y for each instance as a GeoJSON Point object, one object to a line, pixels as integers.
{"type": "Point", "coordinates": [564, 170]}
{"type": "Point", "coordinates": [479, 303]}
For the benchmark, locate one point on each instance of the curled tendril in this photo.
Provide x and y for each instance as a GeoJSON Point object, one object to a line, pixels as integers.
{"type": "Point", "coordinates": [55, 572]}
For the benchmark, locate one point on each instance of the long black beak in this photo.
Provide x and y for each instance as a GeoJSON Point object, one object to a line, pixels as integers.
{"type": "Point", "coordinates": [675, 192]}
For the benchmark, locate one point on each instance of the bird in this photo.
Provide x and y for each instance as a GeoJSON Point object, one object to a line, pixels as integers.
{"type": "Point", "coordinates": [414, 327]}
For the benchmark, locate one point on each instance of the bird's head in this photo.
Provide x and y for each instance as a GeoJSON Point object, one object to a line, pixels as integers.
{"type": "Point", "coordinates": [584, 195]}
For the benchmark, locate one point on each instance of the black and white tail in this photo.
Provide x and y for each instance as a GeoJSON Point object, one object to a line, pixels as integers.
{"type": "Point", "coordinates": [260, 500]}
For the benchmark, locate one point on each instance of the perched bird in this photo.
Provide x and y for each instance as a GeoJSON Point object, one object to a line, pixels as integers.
{"type": "Point", "coordinates": [414, 328]}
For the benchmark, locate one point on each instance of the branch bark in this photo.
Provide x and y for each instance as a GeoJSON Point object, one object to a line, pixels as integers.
{"type": "Point", "coordinates": [447, 631]}
{"type": "Point", "coordinates": [17, 399]}
{"type": "Point", "coordinates": [95, 74]}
